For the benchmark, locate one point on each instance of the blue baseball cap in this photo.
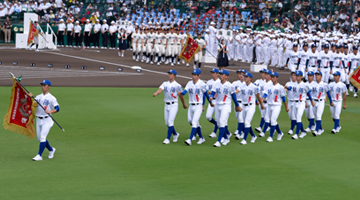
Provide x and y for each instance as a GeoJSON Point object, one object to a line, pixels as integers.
{"type": "Point", "coordinates": [196, 71]}
{"type": "Point", "coordinates": [295, 45]}
{"type": "Point", "coordinates": [338, 46]}
{"type": "Point", "coordinates": [333, 45]}
{"type": "Point", "coordinates": [45, 82]}
{"type": "Point", "coordinates": [248, 74]}
{"type": "Point", "coordinates": [269, 72]}
{"type": "Point", "coordinates": [263, 70]}
{"type": "Point", "coordinates": [305, 44]}
{"type": "Point", "coordinates": [226, 72]}
{"type": "Point", "coordinates": [298, 73]}
{"type": "Point", "coordinates": [313, 45]}
{"type": "Point", "coordinates": [310, 74]}
{"type": "Point", "coordinates": [355, 47]}
{"type": "Point", "coordinates": [318, 72]}
{"type": "Point", "coordinates": [326, 46]}
{"type": "Point", "coordinates": [171, 71]}
{"type": "Point", "coordinates": [241, 70]}
{"type": "Point", "coordinates": [275, 74]}
{"type": "Point", "coordinates": [337, 74]}
{"type": "Point", "coordinates": [346, 46]}
{"type": "Point", "coordinates": [215, 70]}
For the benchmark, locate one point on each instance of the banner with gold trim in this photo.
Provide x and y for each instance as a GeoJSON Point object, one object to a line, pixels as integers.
{"type": "Point", "coordinates": [354, 77]}
{"type": "Point", "coordinates": [190, 49]}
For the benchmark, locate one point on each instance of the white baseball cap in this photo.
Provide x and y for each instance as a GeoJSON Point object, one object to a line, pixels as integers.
{"type": "Point", "coordinates": [112, 22]}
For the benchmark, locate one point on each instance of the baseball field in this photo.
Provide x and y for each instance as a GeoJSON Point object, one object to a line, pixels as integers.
{"type": "Point", "coordinates": [112, 147]}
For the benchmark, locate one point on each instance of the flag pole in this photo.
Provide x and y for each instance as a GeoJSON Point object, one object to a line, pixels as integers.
{"type": "Point", "coordinates": [38, 103]}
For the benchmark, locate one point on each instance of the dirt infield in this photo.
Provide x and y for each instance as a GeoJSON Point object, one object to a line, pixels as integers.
{"type": "Point", "coordinates": [93, 59]}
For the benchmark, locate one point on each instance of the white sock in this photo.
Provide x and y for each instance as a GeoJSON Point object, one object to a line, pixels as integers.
{"type": "Point", "coordinates": [119, 53]}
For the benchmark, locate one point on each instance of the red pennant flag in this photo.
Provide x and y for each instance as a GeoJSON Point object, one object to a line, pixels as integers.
{"type": "Point", "coordinates": [189, 50]}
{"type": "Point", "coordinates": [21, 112]}
{"type": "Point", "coordinates": [355, 77]}
{"type": "Point", "coordinates": [32, 33]}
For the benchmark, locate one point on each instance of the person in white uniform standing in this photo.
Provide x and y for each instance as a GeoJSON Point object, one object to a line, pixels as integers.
{"type": "Point", "coordinates": [264, 112]}
{"type": "Point", "coordinates": [274, 94]}
{"type": "Point", "coordinates": [210, 110]}
{"type": "Point", "coordinates": [224, 91]}
{"type": "Point", "coordinates": [171, 89]}
{"type": "Point", "coordinates": [213, 42]}
{"type": "Point", "coordinates": [292, 61]}
{"type": "Point", "coordinates": [309, 109]}
{"type": "Point", "coordinates": [313, 61]}
{"type": "Point", "coordinates": [43, 121]}
{"type": "Point", "coordinates": [326, 62]}
{"type": "Point", "coordinates": [239, 84]}
{"type": "Point", "coordinates": [198, 56]}
{"type": "Point", "coordinates": [197, 92]}
{"type": "Point", "coordinates": [338, 95]}
{"type": "Point", "coordinates": [249, 93]}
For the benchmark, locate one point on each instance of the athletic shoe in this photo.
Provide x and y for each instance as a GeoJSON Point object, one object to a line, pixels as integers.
{"type": "Point", "coordinates": [253, 139]}
{"type": "Point", "coordinates": [302, 135]}
{"type": "Point", "coordinates": [183, 62]}
{"type": "Point", "coordinates": [226, 141]}
{"type": "Point", "coordinates": [151, 63]}
{"type": "Point", "coordinates": [212, 135]}
{"type": "Point", "coordinates": [258, 129]}
{"type": "Point", "coordinates": [37, 158]}
{"type": "Point", "coordinates": [269, 139]}
{"type": "Point", "coordinates": [242, 135]}
{"type": "Point", "coordinates": [295, 137]}
{"type": "Point", "coordinates": [314, 133]}
{"type": "Point", "coordinates": [243, 142]}
{"type": "Point", "coordinates": [37, 50]}
{"type": "Point", "coordinates": [79, 46]}
{"type": "Point", "coordinates": [87, 47]}
{"type": "Point", "coordinates": [333, 131]}
{"type": "Point", "coordinates": [166, 62]}
{"type": "Point", "coordinates": [229, 135]}
{"type": "Point", "coordinates": [187, 65]}
{"type": "Point", "coordinates": [92, 47]}
{"type": "Point", "coordinates": [347, 93]}
{"type": "Point", "coordinates": [172, 64]}
{"type": "Point", "coordinates": [166, 141]}
{"type": "Point", "coordinates": [338, 129]}
{"type": "Point", "coordinates": [262, 134]}
{"type": "Point", "coordinates": [29, 48]}
{"type": "Point", "coordinates": [142, 60]}
{"type": "Point", "coordinates": [238, 137]}
{"type": "Point", "coordinates": [67, 46]}
{"type": "Point", "coordinates": [193, 138]}
{"type": "Point", "coordinates": [320, 131]}
{"type": "Point", "coordinates": [307, 130]}
{"type": "Point", "coordinates": [313, 128]}
{"type": "Point", "coordinates": [178, 63]}
{"type": "Point", "coordinates": [62, 45]}
{"type": "Point", "coordinates": [133, 57]}
{"type": "Point", "coordinates": [158, 63]}
{"type": "Point", "coordinates": [268, 129]}
{"type": "Point", "coordinates": [188, 142]}
{"type": "Point", "coordinates": [290, 132]}
{"type": "Point", "coordinates": [51, 153]}
{"type": "Point", "coordinates": [280, 135]}
{"type": "Point", "coordinates": [194, 66]}
{"type": "Point", "coordinates": [175, 137]}
{"type": "Point", "coordinates": [122, 55]}
{"type": "Point", "coordinates": [155, 59]}
{"type": "Point", "coordinates": [201, 140]}
{"type": "Point", "coordinates": [137, 60]}
{"type": "Point", "coordinates": [355, 95]}
{"type": "Point", "coordinates": [217, 144]}
{"type": "Point", "coordinates": [222, 140]}
{"type": "Point", "coordinates": [236, 132]}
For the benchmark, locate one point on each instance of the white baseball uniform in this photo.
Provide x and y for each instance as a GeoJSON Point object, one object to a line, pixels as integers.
{"type": "Point", "coordinates": [319, 94]}
{"type": "Point", "coordinates": [274, 95]}
{"type": "Point", "coordinates": [43, 121]}
{"type": "Point", "coordinates": [171, 101]}
{"type": "Point", "coordinates": [223, 102]}
{"type": "Point", "coordinates": [325, 58]}
{"type": "Point", "coordinates": [210, 110]}
{"type": "Point", "coordinates": [336, 90]}
{"type": "Point", "coordinates": [196, 94]}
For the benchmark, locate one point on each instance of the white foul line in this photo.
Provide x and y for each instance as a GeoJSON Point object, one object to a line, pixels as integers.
{"type": "Point", "coordinates": [109, 63]}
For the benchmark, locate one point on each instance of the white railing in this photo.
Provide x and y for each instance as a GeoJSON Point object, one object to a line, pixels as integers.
{"type": "Point", "coordinates": [52, 33]}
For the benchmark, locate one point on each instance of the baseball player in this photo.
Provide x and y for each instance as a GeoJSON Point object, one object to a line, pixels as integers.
{"type": "Point", "coordinates": [198, 56]}
{"type": "Point", "coordinates": [326, 62]}
{"type": "Point", "coordinates": [150, 41]}
{"type": "Point", "coordinates": [303, 57]}
{"type": "Point", "coordinates": [197, 92]}
{"type": "Point", "coordinates": [338, 63]}
{"type": "Point", "coordinates": [158, 45]}
{"type": "Point", "coordinates": [313, 60]}
{"type": "Point", "coordinates": [293, 58]}
{"type": "Point", "coordinates": [265, 118]}
{"type": "Point", "coordinates": [300, 90]}
{"type": "Point", "coordinates": [239, 133]}
{"type": "Point", "coordinates": [291, 99]}
{"type": "Point", "coordinates": [171, 89]}
{"type": "Point", "coordinates": [273, 93]}
{"type": "Point", "coordinates": [224, 92]}
{"type": "Point", "coordinates": [134, 42]}
{"type": "Point", "coordinates": [36, 38]}
{"type": "Point", "coordinates": [43, 121]}
{"type": "Point", "coordinates": [338, 94]}
{"type": "Point", "coordinates": [178, 44]}
{"type": "Point", "coordinates": [309, 109]}
{"type": "Point", "coordinates": [319, 91]}
{"type": "Point", "coordinates": [249, 92]}
{"type": "Point", "coordinates": [210, 110]}
{"type": "Point", "coordinates": [162, 46]}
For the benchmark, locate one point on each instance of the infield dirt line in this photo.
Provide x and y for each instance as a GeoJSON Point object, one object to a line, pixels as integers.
{"type": "Point", "coordinates": [115, 64]}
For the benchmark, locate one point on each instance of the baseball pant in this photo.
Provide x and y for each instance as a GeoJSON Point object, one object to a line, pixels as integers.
{"type": "Point", "coordinates": [319, 109]}
{"type": "Point", "coordinates": [194, 113]}
{"type": "Point", "coordinates": [222, 112]}
{"type": "Point", "coordinates": [325, 74]}
{"type": "Point", "coordinates": [274, 57]}
{"type": "Point", "coordinates": [259, 58]}
{"type": "Point", "coordinates": [336, 109]}
{"type": "Point", "coordinates": [267, 55]}
{"type": "Point", "coordinates": [134, 47]}
{"type": "Point", "coordinates": [43, 127]}
{"type": "Point", "coordinates": [150, 49]}
{"type": "Point", "coordinates": [231, 51]}
{"type": "Point", "coordinates": [248, 113]}
{"type": "Point", "coordinates": [274, 111]}
{"type": "Point", "coordinates": [241, 52]}
{"type": "Point", "coordinates": [280, 56]}
{"type": "Point", "coordinates": [309, 111]}
{"type": "Point", "coordinates": [198, 57]}
{"type": "Point", "coordinates": [292, 109]}
{"type": "Point", "coordinates": [209, 112]}
{"type": "Point", "coordinates": [170, 112]}
{"type": "Point", "coordinates": [239, 115]}
{"type": "Point", "coordinates": [265, 113]}
{"type": "Point", "coordinates": [299, 110]}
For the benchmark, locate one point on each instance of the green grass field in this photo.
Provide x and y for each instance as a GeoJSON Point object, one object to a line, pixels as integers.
{"type": "Point", "coordinates": [112, 149]}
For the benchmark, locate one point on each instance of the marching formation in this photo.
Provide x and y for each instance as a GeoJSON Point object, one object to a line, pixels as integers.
{"type": "Point", "coordinates": [267, 93]}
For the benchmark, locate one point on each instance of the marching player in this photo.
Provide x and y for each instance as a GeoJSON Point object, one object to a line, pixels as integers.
{"type": "Point", "coordinates": [69, 31]}
{"type": "Point", "coordinates": [36, 38]}
{"type": "Point", "coordinates": [326, 62]}
{"type": "Point", "coordinates": [264, 112]}
{"type": "Point", "coordinates": [303, 57]}
{"type": "Point", "coordinates": [273, 93]}
{"type": "Point", "coordinates": [313, 60]}
{"type": "Point", "coordinates": [319, 91]}
{"type": "Point", "coordinates": [249, 92]}
{"type": "Point", "coordinates": [198, 56]}
{"type": "Point", "coordinates": [171, 89]}
{"type": "Point", "coordinates": [163, 46]}
{"type": "Point", "coordinates": [309, 109]}
{"type": "Point", "coordinates": [197, 92]}
{"type": "Point", "coordinates": [210, 109]}
{"type": "Point", "coordinates": [134, 42]}
{"type": "Point", "coordinates": [158, 38]}
{"type": "Point", "coordinates": [43, 121]}
{"type": "Point", "coordinates": [293, 58]}
{"type": "Point", "coordinates": [150, 41]}
{"type": "Point", "coordinates": [104, 32]}
{"type": "Point", "coordinates": [224, 92]}
{"type": "Point", "coordinates": [338, 94]}
{"type": "Point", "coordinates": [143, 44]}
{"type": "Point", "coordinates": [239, 84]}
{"type": "Point", "coordinates": [171, 48]}
{"type": "Point", "coordinates": [300, 90]}
{"type": "Point", "coordinates": [178, 45]}
{"type": "Point", "coordinates": [338, 63]}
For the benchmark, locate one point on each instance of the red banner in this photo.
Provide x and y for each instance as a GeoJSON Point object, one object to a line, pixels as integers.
{"type": "Point", "coordinates": [21, 112]}
{"type": "Point", "coordinates": [32, 32]}
{"type": "Point", "coordinates": [355, 77]}
{"type": "Point", "coordinates": [189, 50]}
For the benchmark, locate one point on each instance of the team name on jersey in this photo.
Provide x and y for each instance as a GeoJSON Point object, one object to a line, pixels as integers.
{"type": "Point", "coordinates": [191, 91]}
{"type": "Point", "coordinates": [166, 89]}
